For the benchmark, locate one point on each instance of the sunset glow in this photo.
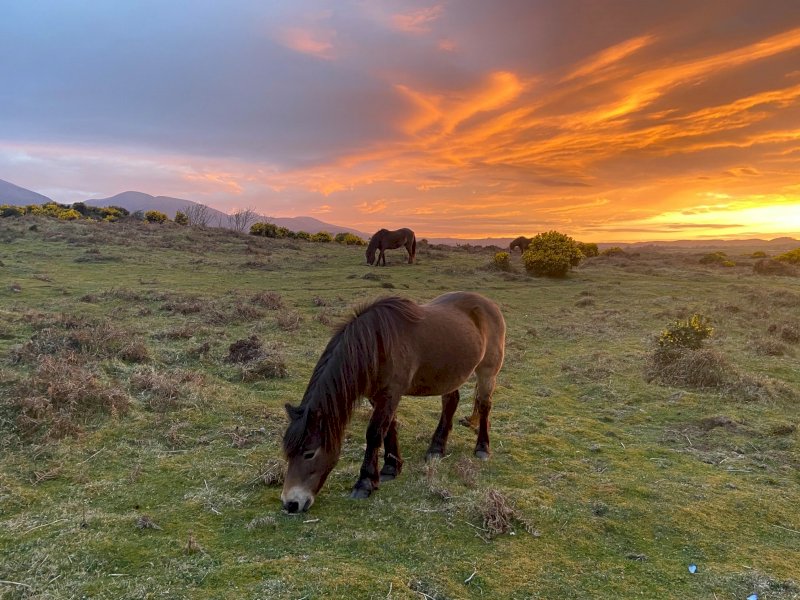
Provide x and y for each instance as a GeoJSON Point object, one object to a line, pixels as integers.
{"type": "Point", "coordinates": [613, 121]}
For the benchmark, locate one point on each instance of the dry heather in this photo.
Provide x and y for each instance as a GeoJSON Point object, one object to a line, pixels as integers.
{"type": "Point", "coordinates": [167, 390]}
{"type": "Point", "coordinates": [496, 512]}
{"type": "Point", "coordinates": [686, 367]}
{"type": "Point", "coordinates": [91, 340]}
{"type": "Point", "coordinates": [62, 395]}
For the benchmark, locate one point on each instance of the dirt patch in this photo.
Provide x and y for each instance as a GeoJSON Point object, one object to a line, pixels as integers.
{"type": "Point", "coordinates": [244, 350]}
{"type": "Point", "coordinates": [255, 361]}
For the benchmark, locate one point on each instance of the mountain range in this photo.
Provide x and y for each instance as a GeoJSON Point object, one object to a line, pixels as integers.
{"type": "Point", "coordinates": [135, 201]}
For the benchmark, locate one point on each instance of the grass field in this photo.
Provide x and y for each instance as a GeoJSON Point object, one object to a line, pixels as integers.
{"type": "Point", "coordinates": [138, 461]}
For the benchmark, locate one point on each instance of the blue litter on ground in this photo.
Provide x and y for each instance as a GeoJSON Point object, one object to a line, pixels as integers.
{"type": "Point", "coordinates": [752, 597]}
{"type": "Point", "coordinates": [692, 568]}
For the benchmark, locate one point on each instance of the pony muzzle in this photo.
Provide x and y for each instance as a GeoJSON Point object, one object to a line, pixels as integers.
{"type": "Point", "coordinates": [297, 500]}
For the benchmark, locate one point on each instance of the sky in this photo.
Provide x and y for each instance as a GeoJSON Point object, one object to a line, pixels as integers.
{"type": "Point", "coordinates": [617, 120]}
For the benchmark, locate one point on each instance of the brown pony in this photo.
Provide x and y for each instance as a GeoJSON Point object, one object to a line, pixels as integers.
{"type": "Point", "coordinates": [391, 348]}
{"type": "Point", "coordinates": [521, 242]}
{"type": "Point", "coordinates": [383, 239]}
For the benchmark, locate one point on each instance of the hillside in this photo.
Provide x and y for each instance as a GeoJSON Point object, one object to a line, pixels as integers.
{"type": "Point", "coordinates": [19, 196]}
{"type": "Point", "coordinates": [135, 201]}
{"type": "Point", "coordinates": [144, 371]}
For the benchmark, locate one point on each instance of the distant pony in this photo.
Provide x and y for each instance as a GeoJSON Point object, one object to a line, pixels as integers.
{"type": "Point", "coordinates": [521, 242]}
{"type": "Point", "coordinates": [384, 239]}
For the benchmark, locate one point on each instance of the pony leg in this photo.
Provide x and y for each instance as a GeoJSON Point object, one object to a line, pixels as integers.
{"type": "Point", "coordinates": [392, 462]}
{"type": "Point", "coordinates": [382, 417]}
{"type": "Point", "coordinates": [439, 440]}
{"type": "Point", "coordinates": [473, 420]}
{"type": "Point", "coordinates": [382, 258]}
{"type": "Point", "coordinates": [483, 400]}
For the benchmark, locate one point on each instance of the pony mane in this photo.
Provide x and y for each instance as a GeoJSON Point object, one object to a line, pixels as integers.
{"type": "Point", "coordinates": [347, 369]}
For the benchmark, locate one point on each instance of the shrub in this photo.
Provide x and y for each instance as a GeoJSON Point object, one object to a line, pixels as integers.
{"type": "Point", "coordinates": [502, 260]}
{"type": "Point", "coordinates": [728, 263]}
{"type": "Point", "coordinates": [181, 218]}
{"type": "Point", "coordinates": [69, 215]}
{"type": "Point", "coordinates": [686, 334]}
{"type": "Point", "coordinates": [282, 232]}
{"type": "Point", "coordinates": [588, 249]}
{"type": "Point", "coordinates": [552, 254]}
{"type": "Point", "coordinates": [349, 239]}
{"type": "Point", "coordinates": [792, 257]}
{"type": "Point", "coordinates": [6, 210]}
{"type": "Point", "coordinates": [322, 237]}
{"type": "Point", "coordinates": [269, 230]}
{"type": "Point", "coordinates": [769, 266]}
{"type": "Point", "coordinates": [155, 216]}
{"type": "Point", "coordinates": [303, 235]}
{"type": "Point", "coordinates": [714, 258]}
{"type": "Point", "coordinates": [613, 251]}
{"type": "Point", "coordinates": [759, 254]}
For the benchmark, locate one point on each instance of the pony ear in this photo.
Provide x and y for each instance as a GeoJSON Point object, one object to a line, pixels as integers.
{"type": "Point", "coordinates": [294, 412]}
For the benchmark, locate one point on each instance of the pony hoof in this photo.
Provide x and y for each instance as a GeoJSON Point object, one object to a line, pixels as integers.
{"type": "Point", "coordinates": [482, 454]}
{"type": "Point", "coordinates": [433, 456]}
{"type": "Point", "coordinates": [388, 473]}
{"type": "Point", "coordinates": [362, 489]}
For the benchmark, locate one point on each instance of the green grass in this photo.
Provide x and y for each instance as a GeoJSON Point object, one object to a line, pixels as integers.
{"type": "Point", "coordinates": [617, 484]}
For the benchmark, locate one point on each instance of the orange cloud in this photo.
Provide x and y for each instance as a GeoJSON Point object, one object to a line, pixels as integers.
{"type": "Point", "coordinates": [609, 57]}
{"type": "Point", "coordinates": [372, 207]}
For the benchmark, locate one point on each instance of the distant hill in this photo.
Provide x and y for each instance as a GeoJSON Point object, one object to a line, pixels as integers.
{"type": "Point", "coordinates": [312, 225]}
{"type": "Point", "coordinates": [19, 196]}
{"type": "Point", "coordinates": [134, 201]}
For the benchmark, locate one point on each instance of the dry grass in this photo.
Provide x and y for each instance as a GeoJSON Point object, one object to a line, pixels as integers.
{"type": "Point", "coordinates": [272, 473]}
{"type": "Point", "coordinates": [268, 300]}
{"type": "Point", "coordinates": [496, 512]}
{"type": "Point", "coordinates": [788, 332]}
{"type": "Point", "coordinates": [61, 395]}
{"type": "Point", "coordinates": [289, 320]}
{"type": "Point", "coordinates": [467, 471]}
{"type": "Point", "coordinates": [166, 390]}
{"type": "Point", "coordinates": [685, 367]}
{"type": "Point", "coordinates": [71, 334]}
{"type": "Point", "coordinates": [769, 347]}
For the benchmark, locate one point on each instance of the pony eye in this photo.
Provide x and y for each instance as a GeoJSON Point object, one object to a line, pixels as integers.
{"type": "Point", "coordinates": [309, 455]}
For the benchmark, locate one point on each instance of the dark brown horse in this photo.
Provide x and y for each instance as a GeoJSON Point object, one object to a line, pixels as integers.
{"type": "Point", "coordinates": [391, 348]}
{"type": "Point", "coordinates": [521, 242]}
{"type": "Point", "coordinates": [383, 239]}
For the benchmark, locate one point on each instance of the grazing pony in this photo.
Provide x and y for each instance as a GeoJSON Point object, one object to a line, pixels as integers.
{"type": "Point", "coordinates": [383, 239]}
{"type": "Point", "coordinates": [390, 348]}
{"type": "Point", "coordinates": [521, 242]}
